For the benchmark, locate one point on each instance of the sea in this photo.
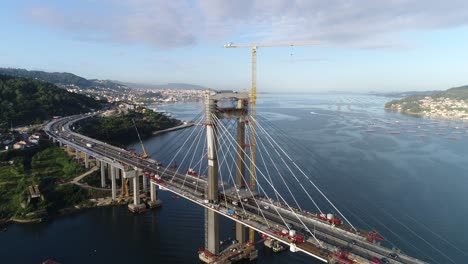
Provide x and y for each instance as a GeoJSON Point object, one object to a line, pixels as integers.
{"type": "Point", "coordinates": [404, 176]}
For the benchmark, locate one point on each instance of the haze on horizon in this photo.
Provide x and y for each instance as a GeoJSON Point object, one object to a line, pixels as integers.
{"type": "Point", "coordinates": [367, 45]}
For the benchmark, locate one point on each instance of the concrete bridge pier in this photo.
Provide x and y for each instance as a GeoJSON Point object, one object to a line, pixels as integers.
{"type": "Point", "coordinates": [86, 160]}
{"type": "Point", "coordinates": [144, 181]}
{"type": "Point", "coordinates": [113, 183]}
{"type": "Point", "coordinates": [154, 196]}
{"type": "Point", "coordinates": [103, 174]}
{"type": "Point", "coordinates": [136, 206]}
{"type": "Point", "coordinates": [77, 154]}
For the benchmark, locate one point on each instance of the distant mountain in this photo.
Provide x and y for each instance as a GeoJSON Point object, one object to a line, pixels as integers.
{"type": "Point", "coordinates": [63, 79]}
{"type": "Point", "coordinates": [180, 86]}
{"type": "Point", "coordinates": [23, 101]}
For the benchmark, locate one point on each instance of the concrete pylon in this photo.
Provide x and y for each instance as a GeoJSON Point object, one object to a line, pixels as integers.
{"type": "Point", "coordinates": [212, 218]}
{"type": "Point", "coordinates": [240, 173]}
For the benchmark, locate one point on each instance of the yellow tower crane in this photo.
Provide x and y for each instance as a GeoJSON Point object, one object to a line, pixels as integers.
{"type": "Point", "coordinates": [253, 99]}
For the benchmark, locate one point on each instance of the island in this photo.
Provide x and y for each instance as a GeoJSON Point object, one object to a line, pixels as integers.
{"type": "Point", "coordinates": [449, 104]}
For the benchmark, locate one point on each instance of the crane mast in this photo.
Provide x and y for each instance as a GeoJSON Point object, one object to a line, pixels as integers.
{"type": "Point", "coordinates": [144, 155]}
{"type": "Point", "coordinates": [253, 102]}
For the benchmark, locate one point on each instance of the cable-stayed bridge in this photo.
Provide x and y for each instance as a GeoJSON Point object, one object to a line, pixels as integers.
{"type": "Point", "coordinates": [219, 146]}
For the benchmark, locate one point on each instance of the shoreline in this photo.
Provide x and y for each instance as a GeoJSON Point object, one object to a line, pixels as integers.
{"type": "Point", "coordinates": [159, 132]}
{"type": "Point", "coordinates": [426, 116]}
{"type": "Point", "coordinates": [88, 204]}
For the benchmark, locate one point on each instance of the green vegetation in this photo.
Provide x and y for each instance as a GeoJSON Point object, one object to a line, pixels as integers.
{"type": "Point", "coordinates": [457, 93]}
{"type": "Point", "coordinates": [52, 77]}
{"type": "Point", "coordinates": [94, 179]}
{"type": "Point", "coordinates": [46, 166]}
{"type": "Point", "coordinates": [408, 104]}
{"type": "Point", "coordinates": [24, 101]}
{"type": "Point", "coordinates": [119, 130]}
{"type": "Point", "coordinates": [61, 78]}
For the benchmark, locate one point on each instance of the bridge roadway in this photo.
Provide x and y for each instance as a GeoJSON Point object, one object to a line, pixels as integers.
{"type": "Point", "coordinates": [193, 188]}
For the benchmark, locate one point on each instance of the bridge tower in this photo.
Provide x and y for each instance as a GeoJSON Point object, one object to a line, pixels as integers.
{"type": "Point", "coordinates": [222, 106]}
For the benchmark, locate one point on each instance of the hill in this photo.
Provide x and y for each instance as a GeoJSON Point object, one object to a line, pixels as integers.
{"type": "Point", "coordinates": [24, 101]}
{"type": "Point", "coordinates": [452, 103]}
{"type": "Point", "coordinates": [174, 86]}
{"type": "Point", "coordinates": [63, 79]}
{"type": "Point", "coordinates": [120, 130]}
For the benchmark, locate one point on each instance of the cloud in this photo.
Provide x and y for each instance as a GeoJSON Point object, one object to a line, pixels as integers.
{"type": "Point", "coordinates": [163, 24]}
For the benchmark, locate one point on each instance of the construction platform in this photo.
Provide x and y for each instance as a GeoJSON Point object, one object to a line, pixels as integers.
{"type": "Point", "coordinates": [137, 208]}
{"type": "Point", "coordinates": [154, 204]}
{"type": "Point", "coordinates": [230, 254]}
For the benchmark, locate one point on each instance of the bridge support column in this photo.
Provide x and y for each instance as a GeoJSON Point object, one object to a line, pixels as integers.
{"type": "Point", "coordinates": [144, 181]}
{"type": "Point", "coordinates": [103, 174]}
{"type": "Point", "coordinates": [77, 154]}
{"type": "Point", "coordinates": [212, 218]}
{"type": "Point", "coordinates": [154, 196]}
{"type": "Point", "coordinates": [54, 140]}
{"type": "Point", "coordinates": [60, 144]}
{"type": "Point", "coordinates": [136, 207]}
{"type": "Point", "coordinates": [153, 192]}
{"type": "Point", "coordinates": [86, 160]}
{"type": "Point", "coordinates": [136, 191]}
{"type": "Point", "coordinates": [109, 171]}
{"type": "Point", "coordinates": [113, 183]}
{"type": "Point", "coordinates": [240, 174]}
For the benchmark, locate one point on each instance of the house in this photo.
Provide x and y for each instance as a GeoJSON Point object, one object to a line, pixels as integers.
{"type": "Point", "coordinates": [34, 138]}
{"type": "Point", "coordinates": [20, 145]}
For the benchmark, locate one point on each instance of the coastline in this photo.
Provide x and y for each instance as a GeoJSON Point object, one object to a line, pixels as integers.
{"type": "Point", "coordinates": [422, 115]}
{"type": "Point", "coordinates": [88, 204]}
{"type": "Point", "coordinates": [159, 132]}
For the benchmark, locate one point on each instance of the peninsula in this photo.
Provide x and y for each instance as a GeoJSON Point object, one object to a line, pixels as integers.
{"type": "Point", "coordinates": [449, 104]}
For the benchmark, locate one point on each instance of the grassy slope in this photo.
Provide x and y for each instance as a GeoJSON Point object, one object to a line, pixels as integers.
{"type": "Point", "coordinates": [48, 167]}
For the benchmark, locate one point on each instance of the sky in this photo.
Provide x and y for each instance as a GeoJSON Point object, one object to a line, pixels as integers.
{"type": "Point", "coordinates": [364, 45]}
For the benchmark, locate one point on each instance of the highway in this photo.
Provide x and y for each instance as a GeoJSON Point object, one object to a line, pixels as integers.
{"type": "Point", "coordinates": [331, 238]}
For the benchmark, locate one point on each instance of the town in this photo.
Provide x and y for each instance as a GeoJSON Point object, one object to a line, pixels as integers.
{"type": "Point", "coordinates": [439, 107]}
